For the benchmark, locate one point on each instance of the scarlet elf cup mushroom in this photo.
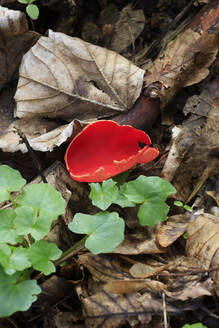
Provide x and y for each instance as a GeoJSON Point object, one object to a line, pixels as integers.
{"type": "Point", "coordinates": [104, 149]}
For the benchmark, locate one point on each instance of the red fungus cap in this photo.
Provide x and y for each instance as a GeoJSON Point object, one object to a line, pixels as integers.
{"type": "Point", "coordinates": [104, 149]}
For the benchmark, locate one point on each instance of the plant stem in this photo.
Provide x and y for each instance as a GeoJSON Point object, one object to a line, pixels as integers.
{"type": "Point", "coordinates": [13, 201]}
{"type": "Point", "coordinates": [79, 243]}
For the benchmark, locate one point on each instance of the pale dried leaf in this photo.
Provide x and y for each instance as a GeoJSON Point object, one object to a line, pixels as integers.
{"type": "Point", "coordinates": [185, 60]}
{"type": "Point", "coordinates": [141, 270]}
{"type": "Point", "coordinates": [12, 22]}
{"type": "Point", "coordinates": [203, 239]}
{"type": "Point", "coordinates": [132, 285]}
{"type": "Point", "coordinates": [172, 229]}
{"type": "Point", "coordinates": [104, 310]}
{"type": "Point", "coordinates": [69, 78]}
{"type": "Point", "coordinates": [128, 28]}
{"type": "Point", "coordinates": [103, 267]}
{"type": "Point", "coordinates": [193, 290]}
{"type": "Point", "coordinates": [142, 242]}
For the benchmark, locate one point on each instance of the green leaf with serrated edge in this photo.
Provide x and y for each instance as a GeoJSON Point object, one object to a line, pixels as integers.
{"type": "Point", "coordinates": [8, 233]}
{"type": "Point", "coordinates": [16, 296]}
{"type": "Point", "coordinates": [32, 11]}
{"type": "Point", "coordinates": [150, 213]}
{"type": "Point", "coordinates": [41, 254]}
{"type": "Point", "coordinates": [28, 222]}
{"type": "Point", "coordinates": [105, 230]}
{"type": "Point", "coordinates": [195, 325]}
{"type": "Point", "coordinates": [10, 180]}
{"type": "Point", "coordinates": [43, 197]}
{"type": "Point", "coordinates": [145, 188]}
{"type": "Point", "coordinates": [103, 195]}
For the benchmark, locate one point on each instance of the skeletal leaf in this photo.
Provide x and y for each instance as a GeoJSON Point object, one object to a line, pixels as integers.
{"type": "Point", "coordinates": [69, 78]}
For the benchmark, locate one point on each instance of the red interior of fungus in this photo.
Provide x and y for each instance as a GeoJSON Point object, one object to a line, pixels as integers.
{"type": "Point", "coordinates": [100, 144]}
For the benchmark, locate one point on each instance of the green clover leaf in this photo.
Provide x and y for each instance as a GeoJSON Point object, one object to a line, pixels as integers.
{"type": "Point", "coordinates": [105, 230]}
{"type": "Point", "coordinates": [41, 254]}
{"type": "Point", "coordinates": [13, 259]}
{"type": "Point", "coordinates": [16, 296]}
{"type": "Point", "coordinates": [10, 180]}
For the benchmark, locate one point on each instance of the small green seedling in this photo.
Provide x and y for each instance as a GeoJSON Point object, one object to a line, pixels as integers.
{"type": "Point", "coordinates": [195, 325]}
{"type": "Point", "coordinates": [31, 9]}
{"type": "Point", "coordinates": [180, 204]}
{"type": "Point", "coordinates": [22, 228]}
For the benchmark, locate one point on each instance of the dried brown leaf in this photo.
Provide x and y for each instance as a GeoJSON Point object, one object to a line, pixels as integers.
{"type": "Point", "coordinates": [128, 27]}
{"type": "Point", "coordinates": [186, 59]}
{"type": "Point", "coordinates": [172, 229]}
{"type": "Point", "coordinates": [141, 270]}
{"type": "Point", "coordinates": [69, 78]}
{"type": "Point", "coordinates": [12, 22]}
{"type": "Point", "coordinates": [141, 242]}
{"type": "Point", "coordinates": [132, 285]}
{"type": "Point", "coordinates": [203, 239]}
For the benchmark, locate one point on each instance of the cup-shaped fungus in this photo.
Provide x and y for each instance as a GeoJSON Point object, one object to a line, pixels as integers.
{"type": "Point", "coordinates": [104, 149]}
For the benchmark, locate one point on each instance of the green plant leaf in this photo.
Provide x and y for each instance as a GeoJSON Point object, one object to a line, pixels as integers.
{"type": "Point", "coordinates": [122, 200]}
{"type": "Point", "coordinates": [32, 11]}
{"type": "Point", "coordinates": [44, 198]}
{"type": "Point", "coordinates": [152, 212]}
{"type": "Point", "coordinates": [41, 254]}
{"type": "Point", "coordinates": [187, 208]}
{"type": "Point", "coordinates": [105, 230]}
{"type": "Point", "coordinates": [13, 260]}
{"type": "Point", "coordinates": [145, 188]}
{"type": "Point", "coordinates": [178, 203]}
{"type": "Point", "coordinates": [195, 325]}
{"type": "Point", "coordinates": [121, 178]}
{"type": "Point", "coordinates": [10, 180]}
{"type": "Point", "coordinates": [8, 233]}
{"type": "Point", "coordinates": [103, 195]}
{"type": "Point", "coordinates": [23, 1]}
{"type": "Point", "coordinates": [152, 193]}
{"type": "Point", "coordinates": [29, 222]}
{"type": "Point", "coordinates": [16, 296]}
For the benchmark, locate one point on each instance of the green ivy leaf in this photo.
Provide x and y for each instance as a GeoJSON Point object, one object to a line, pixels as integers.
{"type": "Point", "coordinates": [8, 233]}
{"type": "Point", "coordinates": [44, 198]}
{"type": "Point", "coordinates": [10, 180]}
{"type": "Point", "coordinates": [105, 230]}
{"type": "Point", "coordinates": [28, 222]}
{"type": "Point", "coordinates": [103, 195]}
{"type": "Point", "coordinates": [32, 11]}
{"type": "Point", "coordinates": [152, 193]}
{"type": "Point", "coordinates": [41, 254]}
{"type": "Point", "coordinates": [16, 296]}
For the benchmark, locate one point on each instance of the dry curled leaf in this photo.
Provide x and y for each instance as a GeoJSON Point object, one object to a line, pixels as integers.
{"type": "Point", "coordinates": [132, 285]}
{"type": "Point", "coordinates": [12, 22]}
{"type": "Point", "coordinates": [186, 59]}
{"type": "Point", "coordinates": [69, 78]}
{"type": "Point", "coordinates": [203, 239]}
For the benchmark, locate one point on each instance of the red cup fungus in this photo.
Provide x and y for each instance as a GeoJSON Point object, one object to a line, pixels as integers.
{"type": "Point", "coordinates": [104, 149]}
